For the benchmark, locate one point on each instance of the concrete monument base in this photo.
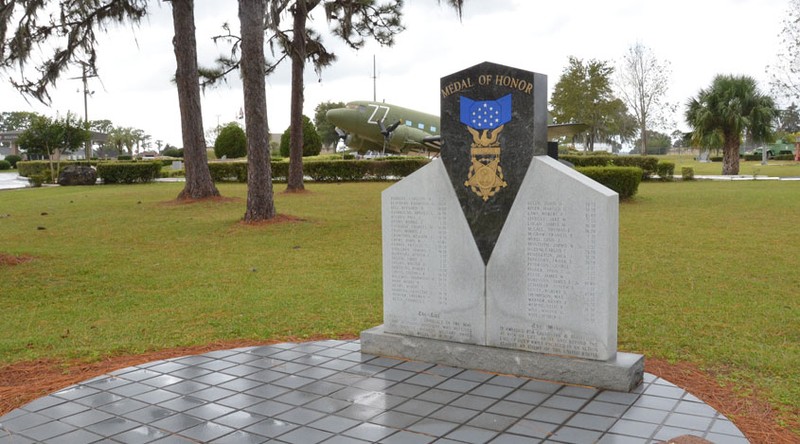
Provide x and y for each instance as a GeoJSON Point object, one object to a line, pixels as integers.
{"type": "Point", "coordinates": [622, 373]}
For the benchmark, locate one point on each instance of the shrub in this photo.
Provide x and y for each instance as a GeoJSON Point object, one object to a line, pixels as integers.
{"type": "Point", "coordinates": [231, 142]}
{"type": "Point", "coordinates": [624, 180]}
{"type": "Point", "coordinates": [587, 161]}
{"type": "Point", "coordinates": [128, 172]}
{"type": "Point", "coordinates": [687, 173]}
{"type": "Point", "coordinates": [172, 152]}
{"type": "Point", "coordinates": [665, 170]}
{"type": "Point", "coordinates": [784, 157]}
{"type": "Point", "coordinates": [124, 157]}
{"type": "Point", "coordinates": [5, 165]}
{"type": "Point", "coordinates": [715, 158]}
{"type": "Point", "coordinates": [228, 171]}
{"type": "Point", "coordinates": [312, 143]}
{"type": "Point", "coordinates": [13, 159]}
{"type": "Point", "coordinates": [36, 180]}
{"type": "Point", "coordinates": [752, 157]}
{"type": "Point", "coordinates": [28, 167]}
{"type": "Point", "coordinates": [325, 170]}
{"type": "Point", "coordinates": [647, 164]}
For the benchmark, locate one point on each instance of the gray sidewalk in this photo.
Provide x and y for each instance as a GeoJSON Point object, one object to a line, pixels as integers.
{"type": "Point", "coordinates": [11, 180]}
{"type": "Point", "coordinates": [327, 391]}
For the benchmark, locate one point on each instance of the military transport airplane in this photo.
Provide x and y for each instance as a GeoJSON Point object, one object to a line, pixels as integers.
{"type": "Point", "coordinates": [376, 126]}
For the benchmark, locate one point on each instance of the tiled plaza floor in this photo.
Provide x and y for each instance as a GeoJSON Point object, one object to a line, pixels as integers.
{"type": "Point", "coordinates": [329, 392]}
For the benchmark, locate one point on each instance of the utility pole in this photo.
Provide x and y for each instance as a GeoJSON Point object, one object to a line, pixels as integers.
{"type": "Point", "coordinates": [86, 93]}
{"type": "Point", "coordinates": [374, 81]}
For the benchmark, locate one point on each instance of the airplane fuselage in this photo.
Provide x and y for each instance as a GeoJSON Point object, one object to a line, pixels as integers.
{"type": "Point", "coordinates": [371, 126]}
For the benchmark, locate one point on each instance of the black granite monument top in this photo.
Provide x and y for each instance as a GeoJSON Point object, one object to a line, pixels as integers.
{"type": "Point", "coordinates": [494, 120]}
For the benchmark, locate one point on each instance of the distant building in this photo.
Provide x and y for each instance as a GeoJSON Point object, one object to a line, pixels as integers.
{"type": "Point", "coordinates": [9, 138]}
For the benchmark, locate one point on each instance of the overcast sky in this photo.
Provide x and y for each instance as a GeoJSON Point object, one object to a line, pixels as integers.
{"type": "Point", "coordinates": [699, 39]}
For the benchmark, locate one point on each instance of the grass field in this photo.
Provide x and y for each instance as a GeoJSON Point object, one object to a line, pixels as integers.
{"type": "Point", "coordinates": [773, 168]}
{"type": "Point", "coordinates": [709, 274]}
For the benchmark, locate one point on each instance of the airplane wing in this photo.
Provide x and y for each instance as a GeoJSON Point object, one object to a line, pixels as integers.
{"type": "Point", "coordinates": [565, 130]}
{"type": "Point", "coordinates": [433, 143]}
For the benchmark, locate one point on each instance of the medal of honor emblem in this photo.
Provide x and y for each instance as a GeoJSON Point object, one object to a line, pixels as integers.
{"type": "Point", "coordinates": [484, 120]}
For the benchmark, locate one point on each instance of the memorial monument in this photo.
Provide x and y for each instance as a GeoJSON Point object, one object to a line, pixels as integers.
{"type": "Point", "coordinates": [497, 257]}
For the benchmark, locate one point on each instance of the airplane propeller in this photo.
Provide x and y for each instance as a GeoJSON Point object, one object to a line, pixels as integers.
{"type": "Point", "coordinates": [387, 132]}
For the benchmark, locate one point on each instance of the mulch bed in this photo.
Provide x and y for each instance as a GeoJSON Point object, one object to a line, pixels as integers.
{"type": "Point", "coordinates": [23, 382]}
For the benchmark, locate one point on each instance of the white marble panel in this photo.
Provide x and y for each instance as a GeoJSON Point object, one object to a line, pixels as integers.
{"type": "Point", "coordinates": [433, 274]}
{"type": "Point", "coordinates": [552, 278]}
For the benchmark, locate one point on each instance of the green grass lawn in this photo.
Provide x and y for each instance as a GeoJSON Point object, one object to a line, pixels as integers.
{"type": "Point", "coordinates": [709, 273]}
{"type": "Point", "coordinates": [774, 168]}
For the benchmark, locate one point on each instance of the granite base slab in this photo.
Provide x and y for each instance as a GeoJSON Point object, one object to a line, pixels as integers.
{"type": "Point", "coordinates": [622, 373]}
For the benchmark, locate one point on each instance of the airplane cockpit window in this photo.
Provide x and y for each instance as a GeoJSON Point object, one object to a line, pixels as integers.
{"type": "Point", "coordinates": [408, 123]}
{"type": "Point", "coordinates": [360, 108]}
{"type": "Point", "coordinates": [421, 126]}
{"type": "Point", "coordinates": [433, 129]}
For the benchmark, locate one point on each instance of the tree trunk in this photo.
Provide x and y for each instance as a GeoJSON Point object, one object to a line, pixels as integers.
{"type": "Point", "coordinates": [298, 56]}
{"type": "Point", "coordinates": [730, 155]}
{"type": "Point", "coordinates": [260, 202]}
{"type": "Point", "coordinates": [644, 139]}
{"type": "Point", "coordinates": [198, 178]}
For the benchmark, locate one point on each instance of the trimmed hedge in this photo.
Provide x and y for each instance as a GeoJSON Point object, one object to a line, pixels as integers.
{"type": "Point", "coordinates": [665, 170]}
{"type": "Point", "coordinates": [687, 173]}
{"type": "Point", "coordinates": [325, 170]}
{"type": "Point", "coordinates": [624, 180]}
{"type": "Point", "coordinates": [5, 165]}
{"type": "Point", "coordinates": [29, 167]}
{"type": "Point", "coordinates": [648, 164]}
{"type": "Point", "coordinates": [128, 172]}
{"type": "Point", "coordinates": [13, 159]}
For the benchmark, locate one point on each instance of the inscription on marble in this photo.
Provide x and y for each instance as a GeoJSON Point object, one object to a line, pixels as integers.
{"type": "Point", "coordinates": [433, 278]}
{"type": "Point", "coordinates": [419, 251]}
{"type": "Point", "coordinates": [551, 283]}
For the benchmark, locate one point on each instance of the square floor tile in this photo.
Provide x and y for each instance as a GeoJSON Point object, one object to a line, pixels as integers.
{"type": "Point", "coordinates": [576, 436]}
{"type": "Point", "coordinates": [433, 427]}
{"type": "Point", "coordinates": [634, 428]}
{"type": "Point", "coordinates": [140, 435]}
{"type": "Point", "coordinates": [300, 415]}
{"type": "Point", "coordinates": [471, 435]}
{"type": "Point", "coordinates": [305, 435]}
{"type": "Point", "coordinates": [405, 437]}
{"type": "Point", "coordinates": [239, 420]}
{"type": "Point", "coordinates": [177, 423]}
{"type": "Point", "coordinates": [533, 429]}
{"type": "Point", "coordinates": [510, 408]}
{"type": "Point", "coordinates": [334, 424]}
{"type": "Point", "coordinates": [112, 426]}
{"type": "Point", "coordinates": [398, 420]}
{"type": "Point", "coordinates": [591, 422]}
{"type": "Point", "coordinates": [595, 407]}
{"type": "Point", "coordinates": [210, 411]}
{"type": "Point", "coordinates": [492, 421]}
{"type": "Point", "coordinates": [207, 431]}
{"type": "Point", "coordinates": [327, 405]}
{"type": "Point", "coordinates": [370, 432]}
{"type": "Point", "coordinates": [271, 427]}
{"type": "Point", "coordinates": [240, 437]}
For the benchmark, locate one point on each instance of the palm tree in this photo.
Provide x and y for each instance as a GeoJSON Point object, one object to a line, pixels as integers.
{"type": "Point", "coordinates": [731, 106]}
